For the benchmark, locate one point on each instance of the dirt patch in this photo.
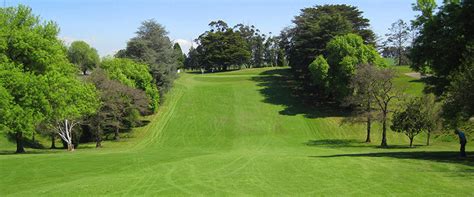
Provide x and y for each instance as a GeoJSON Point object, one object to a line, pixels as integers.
{"type": "Point", "coordinates": [414, 75]}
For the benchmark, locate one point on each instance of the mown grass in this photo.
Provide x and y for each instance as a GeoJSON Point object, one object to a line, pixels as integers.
{"type": "Point", "coordinates": [243, 133]}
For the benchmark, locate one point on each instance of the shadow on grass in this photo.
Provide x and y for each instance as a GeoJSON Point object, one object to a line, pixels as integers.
{"type": "Point", "coordinates": [279, 88]}
{"type": "Point", "coordinates": [27, 142]}
{"type": "Point", "coordinates": [437, 156]}
{"type": "Point", "coordinates": [351, 143]}
{"type": "Point", "coordinates": [336, 143]}
{"type": "Point", "coordinates": [32, 152]}
{"type": "Point", "coordinates": [194, 72]}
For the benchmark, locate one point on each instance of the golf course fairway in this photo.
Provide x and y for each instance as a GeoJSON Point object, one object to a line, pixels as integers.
{"type": "Point", "coordinates": [241, 133]}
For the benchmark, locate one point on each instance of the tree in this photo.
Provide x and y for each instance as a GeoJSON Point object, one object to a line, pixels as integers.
{"type": "Point", "coordinates": [319, 69]}
{"type": "Point", "coordinates": [458, 106]}
{"type": "Point", "coordinates": [192, 61]}
{"type": "Point", "coordinates": [180, 56]}
{"type": "Point", "coordinates": [153, 47]}
{"type": "Point", "coordinates": [431, 112]}
{"type": "Point", "coordinates": [83, 56]}
{"type": "Point", "coordinates": [362, 101]}
{"type": "Point", "coordinates": [443, 39]}
{"type": "Point", "coordinates": [270, 51]}
{"type": "Point", "coordinates": [344, 53]}
{"type": "Point", "coordinates": [384, 93]}
{"type": "Point", "coordinates": [119, 106]}
{"type": "Point", "coordinates": [315, 27]}
{"type": "Point", "coordinates": [426, 7]}
{"type": "Point", "coordinates": [397, 37]}
{"type": "Point", "coordinates": [281, 59]}
{"type": "Point", "coordinates": [409, 120]}
{"type": "Point", "coordinates": [135, 75]}
{"type": "Point", "coordinates": [70, 100]}
{"type": "Point", "coordinates": [221, 47]}
{"type": "Point", "coordinates": [33, 61]}
{"type": "Point", "coordinates": [23, 102]}
{"type": "Point", "coordinates": [255, 43]}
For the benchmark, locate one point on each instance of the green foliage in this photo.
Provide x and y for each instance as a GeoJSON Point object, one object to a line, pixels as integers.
{"type": "Point", "coordinates": [344, 54]}
{"type": "Point", "coordinates": [180, 56]}
{"type": "Point", "coordinates": [315, 27]}
{"type": "Point", "coordinates": [83, 56]}
{"type": "Point", "coordinates": [255, 44]}
{"type": "Point", "coordinates": [36, 73]}
{"type": "Point", "coordinates": [24, 103]}
{"type": "Point", "coordinates": [69, 97]}
{"type": "Point", "coordinates": [221, 47]}
{"type": "Point", "coordinates": [443, 39]}
{"type": "Point", "coordinates": [410, 120]}
{"type": "Point", "coordinates": [153, 47]}
{"type": "Point", "coordinates": [30, 42]}
{"type": "Point", "coordinates": [134, 75]}
{"type": "Point", "coordinates": [192, 61]}
{"type": "Point", "coordinates": [459, 105]}
{"type": "Point", "coordinates": [121, 105]}
{"type": "Point", "coordinates": [426, 7]}
{"type": "Point", "coordinates": [397, 38]}
{"type": "Point", "coordinates": [319, 69]}
{"type": "Point", "coordinates": [281, 61]}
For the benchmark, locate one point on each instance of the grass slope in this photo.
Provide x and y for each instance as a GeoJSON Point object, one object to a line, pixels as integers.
{"type": "Point", "coordinates": [242, 133]}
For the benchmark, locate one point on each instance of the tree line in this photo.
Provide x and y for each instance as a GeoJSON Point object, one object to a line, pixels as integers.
{"type": "Point", "coordinates": [241, 46]}
{"type": "Point", "coordinates": [336, 58]}
{"type": "Point", "coordinates": [68, 92]}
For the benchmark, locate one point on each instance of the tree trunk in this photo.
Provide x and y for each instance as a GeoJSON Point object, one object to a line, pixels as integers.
{"type": "Point", "coordinates": [369, 121]}
{"type": "Point", "coordinates": [384, 131]}
{"type": "Point", "coordinates": [98, 139]}
{"type": "Point", "coordinates": [70, 147]}
{"type": "Point", "coordinates": [116, 135]}
{"type": "Point", "coordinates": [84, 72]}
{"type": "Point", "coordinates": [33, 137]}
{"type": "Point", "coordinates": [428, 139]}
{"type": "Point", "coordinates": [399, 56]}
{"type": "Point", "coordinates": [367, 140]}
{"type": "Point", "coordinates": [98, 143]}
{"type": "Point", "coordinates": [411, 142]}
{"type": "Point", "coordinates": [19, 142]}
{"type": "Point", "coordinates": [53, 142]}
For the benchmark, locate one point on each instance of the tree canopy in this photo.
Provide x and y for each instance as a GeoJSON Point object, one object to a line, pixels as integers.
{"type": "Point", "coordinates": [179, 54]}
{"type": "Point", "coordinates": [443, 38]}
{"type": "Point", "coordinates": [409, 120]}
{"type": "Point", "coordinates": [35, 71]}
{"type": "Point", "coordinates": [120, 107]}
{"type": "Point", "coordinates": [221, 47]}
{"type": "Point", "coordinates": [133, 74]}
{"type": "Point", "coordinates": [344, 54]}
{"type": "Point", "coordinates": [315, 27]}
{"type": "Point", "coordinates": [83, 56]}
{"type": "Point", "coordinates": [153, 47]}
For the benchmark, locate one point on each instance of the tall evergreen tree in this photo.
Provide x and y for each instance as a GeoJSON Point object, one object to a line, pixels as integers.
{"type": "Point", "coordinates": [315, 27]}
{"type": "Point", "coordinates": [152, 46]}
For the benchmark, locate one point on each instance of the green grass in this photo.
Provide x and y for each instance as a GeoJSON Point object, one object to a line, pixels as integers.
{"type": "Point", "coordinates": [242, 133]}
{"type": "Point", "coordinates": [407, 84]}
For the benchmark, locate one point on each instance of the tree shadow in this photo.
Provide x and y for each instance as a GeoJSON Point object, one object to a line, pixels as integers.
{"type": "Point", "coordinates": [335, 143]}
{"type": "Point", "coordinates": [27, 143]}
{"type": "Point", "coordinates": [351, 143]}
{"type": "Point", "coordinates": [437, 156]}
{"type": "Point", "coordinates": [32, 152]}
{"type": "Point", "coordinates": [195, 72]}
{"type": "Point", "coordinates": [279, 88]}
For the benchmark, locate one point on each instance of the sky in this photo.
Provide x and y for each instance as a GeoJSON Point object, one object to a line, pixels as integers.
{"type": "Point", "coordinates": [107, 25]}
